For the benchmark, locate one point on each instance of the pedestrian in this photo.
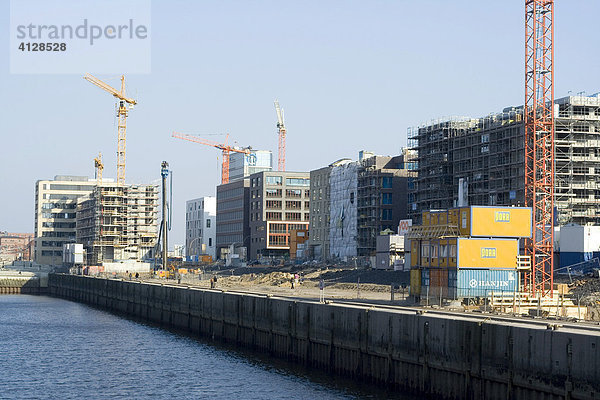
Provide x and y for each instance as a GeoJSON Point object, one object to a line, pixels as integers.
{"type": "Point", "coordinates": [137, 275]}
{"type": "Point", "coordinates": [215, 278]}
{"type": "Point", "coordinates": [292, 282]}
{"type": "Point", "coordinates": [321, 291]}
{"type": "Point", "coordinates": [212, 282]}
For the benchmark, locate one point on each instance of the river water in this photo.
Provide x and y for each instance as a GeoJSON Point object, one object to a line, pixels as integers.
{"type": "Point", "coordinates": [56, 349]}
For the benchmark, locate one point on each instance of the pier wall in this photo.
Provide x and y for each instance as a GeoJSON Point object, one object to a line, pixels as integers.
{"type": "Point", "coordinates": [451, 357]}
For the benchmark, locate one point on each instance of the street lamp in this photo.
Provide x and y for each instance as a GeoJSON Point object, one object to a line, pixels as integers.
{"type": "Point", "coordinates": [189, 246]}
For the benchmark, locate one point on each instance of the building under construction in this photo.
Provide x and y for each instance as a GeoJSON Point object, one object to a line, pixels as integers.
{"type": "Point", "coordinates": [481, 161]}
{"type": "Point", "coordinates": [118, 223]}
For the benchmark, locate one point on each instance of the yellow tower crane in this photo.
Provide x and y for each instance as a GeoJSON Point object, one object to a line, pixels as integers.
{"type": "Point", "coordinates": [99, 168]}
{"type": "Point", "coordinates": [122, 110]}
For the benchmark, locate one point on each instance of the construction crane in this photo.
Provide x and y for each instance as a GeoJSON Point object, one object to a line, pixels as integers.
{"type": "Point", "coordinates": [221, 146]}
{"type": "Point", "coordinates": [99, 168]}
{"type": "Point", "coordinates": [282, 131]}
{"type": "Point", "coordinates": [123, 104]}
{"type": "Point", "coordinates": [539, 142]}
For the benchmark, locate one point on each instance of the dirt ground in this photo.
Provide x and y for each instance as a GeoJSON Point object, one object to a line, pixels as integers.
{"type": "Point", "coordinates": [339, 283]}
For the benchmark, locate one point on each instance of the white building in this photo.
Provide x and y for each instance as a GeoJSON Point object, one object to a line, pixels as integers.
{"type": "Point", "coordinates": [200, 227]}
{"type": "Point", "coordinates": [243, 165]}
{"type": "Point", "coordinates": [55, 209]}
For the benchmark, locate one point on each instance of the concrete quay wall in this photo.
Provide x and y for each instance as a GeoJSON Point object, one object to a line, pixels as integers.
{"type": "Point", "coordinates": [450, 357]}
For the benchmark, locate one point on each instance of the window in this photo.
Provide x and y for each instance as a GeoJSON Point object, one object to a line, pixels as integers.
{"type": "Point", "coordinates": [297, 181]}
{"type": "Point", "coordinates": [293, 193]}
{"type": "Point", "coordinates": [272, 192]}
{"type": "Point", "coordinates": [443, 250]}
{"type": "Point", "coordinates": [293, 205]}
{"type": "Point", "coordinates": [293, 216]}
{"type": "Point", "coordinates": [386, 215]}
{"type": "Point", "coordinates": [434, 251]}
{"type": "Point", "coordinates": [273, 216]}
{"type": "Point", "coordinates": [386, 198]}
{"type": "Point", "coordinates": [307, 216]}
{"type": "Point", "coordinates": [307, 193]}
{"type": "Point", "coordinates": [208, 223]}
{"type": "Point", "coordinates": [351, 197]}
{"type": "Point", "coordinates": [386, 182]}
{"type": "Point", "coordinates": [273, 204]}
{"type": "Point", "coordinates": [274, 180]}
{"type": "Point", "coordinates": [209, 242]}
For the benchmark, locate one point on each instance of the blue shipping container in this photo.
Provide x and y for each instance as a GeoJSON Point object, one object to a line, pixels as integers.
{"type": "Point", "coordinates": [481, 282]}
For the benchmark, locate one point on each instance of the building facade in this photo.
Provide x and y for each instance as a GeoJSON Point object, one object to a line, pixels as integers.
{"type": "Point", "coordinates": [243, 165]}
{"type": "Point", "coordinates": [118, 223]}
{"type": "Point", "coordinates": [279, 203]}
{"type": "Point", "coordinates": [15, 246]}
{"type": "Point", "coordinates": [319, 213]}
{"type": "Point", "coordinates": [485, 158]}
{"type": "Point", "coordinates": [200, 227]}
{"type": "Point", "coordinates": [232, 216]}
{"type": "Point", "coordinates": [343, 209]}
{"type": "Point", "coordinates": [55, 215]}
{"type": "Point", "coordinates": [382, 197]}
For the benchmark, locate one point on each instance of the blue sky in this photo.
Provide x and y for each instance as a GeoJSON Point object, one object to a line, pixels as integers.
{"type": "Point", "coordinates": [350, 75]}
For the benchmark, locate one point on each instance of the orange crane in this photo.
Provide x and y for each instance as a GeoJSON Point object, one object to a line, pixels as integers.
{"type": "Point", "coordinates": [122, 110]}
{"type": "Point", "coordinates": [221, 146]}
{"type": "Point", "coordinates": [99, 168]}
{"type": "Point", "coordinates": [539, 143]}
{"type": "Point", "coordinates": [282, 131]}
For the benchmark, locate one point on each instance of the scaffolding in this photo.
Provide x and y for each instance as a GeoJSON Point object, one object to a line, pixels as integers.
{"type": "Point", "coordinates": [117, 222]}
{"type": "Point", "coordinates": [489, 154]}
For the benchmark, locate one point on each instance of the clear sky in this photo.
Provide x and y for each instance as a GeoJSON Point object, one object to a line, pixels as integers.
{"type": "Point", "coordinates": [350, 75]}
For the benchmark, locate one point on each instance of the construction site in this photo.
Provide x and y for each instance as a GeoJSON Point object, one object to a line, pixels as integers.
{"type": "Point", "coordinates": [480, 161]}
{"type": "Point", "coordinates": [118, 223]}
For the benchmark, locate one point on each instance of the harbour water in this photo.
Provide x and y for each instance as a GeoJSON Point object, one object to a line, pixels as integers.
{"type": "Point", "coordinates": [53, 348]}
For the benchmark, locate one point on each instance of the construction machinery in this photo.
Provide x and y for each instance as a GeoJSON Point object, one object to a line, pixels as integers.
{"type": "Point", "coordinates": [99, 166]}
{"type": "Point", "coordinates": [224, 147]}
{"type": "Point", "coordinates": [282, 132]}
{"type": "Point", "coordinates": [539, 142]}
{"type": "Point", "coordinates": [123, 104]}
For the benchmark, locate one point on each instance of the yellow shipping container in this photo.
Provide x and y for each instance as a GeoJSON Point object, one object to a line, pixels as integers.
{"type": "Point", "coordinates": [425, 219]}
{"type": "Point", "coordinates": [509, 222]}
{"type": "Point", "coordinates": [487, 253]}
{"type": "Point", "coordinates": [415, 282]}
{"type": "Point", "coordinates": [415, 251]}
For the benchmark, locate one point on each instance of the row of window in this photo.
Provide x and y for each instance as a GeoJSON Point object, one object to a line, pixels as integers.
{"type": "Point", "coordinates": [57, 234]}
{"type": "Point", "coordinates": [289, 216]}
{"type": "Point", "coordinates": [58, 215]}
{"type": "Point", "coordinates": [50, 253]}
{"type": "Point", "coordinates": [66, 206]}
{"type": "Point", "coordinates": [69, 225]}
{"type": "Point", "coordinates": [435, 250]}
{"type": "Point", "coordinates": [278, 181]}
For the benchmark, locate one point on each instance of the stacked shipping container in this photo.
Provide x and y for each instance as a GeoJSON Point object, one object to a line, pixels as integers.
{"type": "Point", "coordinates": [467, 251]}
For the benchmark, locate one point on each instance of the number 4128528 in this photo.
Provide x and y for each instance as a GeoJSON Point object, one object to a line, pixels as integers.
{"type": "Point", "coordinates": [42, 46]}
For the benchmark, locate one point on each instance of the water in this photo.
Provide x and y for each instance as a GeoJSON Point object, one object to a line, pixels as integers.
{"type": "Point", "coordinates": [53, 348]}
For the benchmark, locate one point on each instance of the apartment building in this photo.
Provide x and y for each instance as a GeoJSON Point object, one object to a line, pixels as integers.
{"type": "Point", "coordinates": [279, 203]}
{"type": "Point", "coordinates": [232, 216]}
{"type": "Point", "coordinates": [55, 215]}
{"type": "Point", "coordinates": [318, 242]}
{"type": "Point", "coordinates": [200, 227]}
{"type": "Point", "coordinates": [382, 197]}
{"type": "Point", "coordinates": [485, 157]}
